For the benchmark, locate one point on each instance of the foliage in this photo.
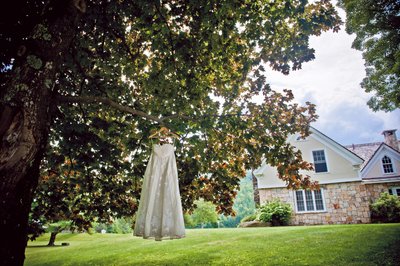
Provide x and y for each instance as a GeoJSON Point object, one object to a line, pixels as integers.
{"type": "Point", "coordinates": [361, 244]}
{"type": "Point", "coordinates": [168, 63]}
{"type": "Point", "coordinates": [58, 226]}
{"type": "Point", "coordinates": [275, 212]}
{"type": "Point", "coordinates": [243, 204]}
{"type": "Point", "coordinates": [99, 227]}
{"type": "Point", "coordinates": [65, 194]}
{"type": "Point", "coordinates": [386, 209]}
{"type": "Point", "coordinates": [87, 81]}
{"type": "Point", "coordinates": [120, 226]}
{"type": "Point", "coordinates": [115, 226]}
{"type": "Point", "coordinates": [249, 218]}
{"type": "Point", "coordinates": [377, 28]}
{"type": "Point", "coordinates": [188, 220]}
{"type": "Point", "coordinates": [204, 213]}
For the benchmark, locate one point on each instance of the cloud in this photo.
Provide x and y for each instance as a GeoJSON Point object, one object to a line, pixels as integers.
{"type": "Point", "coordinates": [332, 82]}
{"type": "Point", "coordinates": [351, 125]}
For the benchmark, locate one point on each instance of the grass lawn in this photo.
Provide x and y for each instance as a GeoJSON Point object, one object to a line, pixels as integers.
{"type": "Point", "coordinates": [370, 244]}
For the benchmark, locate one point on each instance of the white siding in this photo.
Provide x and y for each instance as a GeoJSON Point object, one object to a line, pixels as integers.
{"type": "Point", "coordinates": [376, 169]}
{"type": "Point", "coordinates": [339, 168]}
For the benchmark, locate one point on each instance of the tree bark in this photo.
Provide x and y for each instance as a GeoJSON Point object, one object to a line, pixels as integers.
{"type": "Point", "coordinates": [25, 118]}
{"type": "Point", "coordinates": [52, 238]}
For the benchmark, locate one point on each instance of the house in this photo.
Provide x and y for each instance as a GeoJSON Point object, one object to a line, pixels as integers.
{"type": "Point", "coordinates": [350, 178]}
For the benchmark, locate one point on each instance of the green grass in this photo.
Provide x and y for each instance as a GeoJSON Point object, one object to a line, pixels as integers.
{"type": "Point", "coordinates": [370, 244]}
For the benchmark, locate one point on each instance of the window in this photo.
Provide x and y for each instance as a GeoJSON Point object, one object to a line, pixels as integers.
{"type": "Point", "coordinates": [300, 201]}
{"type": "Point", "coordinates": [309, 201]}
{"type": "Point", "coordinates": [320, 161]}
{"type": "Point", "coordinates": [394, 191]}
{"type": "Point", "coordinates": [387, 165]}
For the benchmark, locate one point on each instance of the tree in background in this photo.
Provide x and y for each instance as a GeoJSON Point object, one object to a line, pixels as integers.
{"type": "Point", "coordinates": [244, 204]}
{"type": "Point", "coordinates": [56, 228]}
{"type": "Point", "coordinates": [117, 226]}
{"type": "Point", "coordinates": [377, 28]}
{"type": "Point", "coordinates": [204, 213]}
{"type": "Point", "coordinates": [89, 80]}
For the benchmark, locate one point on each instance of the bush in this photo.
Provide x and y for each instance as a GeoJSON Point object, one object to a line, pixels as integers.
{"type": "Point", "coordinates": [386, 209]}
{"type": "Point", "coordinates": [120, 226]}
{"type": "Point", "coordinates": [117, 226]}
{"type": "Point", "coordinates": [98, 227]}
{"type": "Point", "coordinates": [249, 218]}
{"type": "Point", "coordinates": [188, 220]}
{"type": "Point", "coordinates": [275, 212]}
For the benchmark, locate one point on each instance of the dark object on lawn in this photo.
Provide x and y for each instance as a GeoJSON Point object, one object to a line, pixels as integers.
{"type": "Point", "coordinates": [64, 244]}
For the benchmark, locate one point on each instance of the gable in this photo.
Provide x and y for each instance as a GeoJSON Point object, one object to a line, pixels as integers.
{"type": "Point", "coordinates": [342, 164]}
{"type": "Point", "coordinates": [353, 158]}
{"type": "Point", "coordinates": [374, 168]}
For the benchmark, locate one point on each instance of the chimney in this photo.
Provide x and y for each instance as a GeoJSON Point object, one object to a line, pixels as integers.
{"type": "Point", "coordinates": [391, 139]}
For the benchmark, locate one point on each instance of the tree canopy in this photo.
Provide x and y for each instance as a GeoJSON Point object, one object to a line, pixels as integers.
{"type": "Point", "coordinates": [86, 81]}
{"type": "Point", "coordinates": [377, 28]}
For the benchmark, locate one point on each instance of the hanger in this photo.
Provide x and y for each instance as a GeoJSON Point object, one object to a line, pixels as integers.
{"type": "Point", "coordinates": [164, 132]}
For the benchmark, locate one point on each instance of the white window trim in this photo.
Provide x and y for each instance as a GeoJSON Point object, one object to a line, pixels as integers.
{"type": "Point", "coordinates": [394, 190]}
{"type": "Point", "coordinates": [393, 165]}
{"type": "Point", "coordinates": [326, 161]}
{"type": "Point", "coordinates": [305, 203]}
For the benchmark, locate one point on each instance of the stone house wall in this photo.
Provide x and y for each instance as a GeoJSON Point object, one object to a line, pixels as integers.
{"type": "Point", "coordinates": [374, 190]}
{"type": "Point", "coordinates": [345, 203]}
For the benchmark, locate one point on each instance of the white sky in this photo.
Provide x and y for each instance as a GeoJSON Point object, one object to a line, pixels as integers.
{"type": "Point", "coordinates": [332, 82]}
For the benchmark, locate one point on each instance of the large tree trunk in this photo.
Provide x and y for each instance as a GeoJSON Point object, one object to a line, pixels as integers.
{"type": "Point", "coordinates": [15, 202]}
{"type": "Point", "coordinates": [25, 118]}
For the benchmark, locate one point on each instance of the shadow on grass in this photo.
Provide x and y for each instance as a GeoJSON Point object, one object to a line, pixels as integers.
{"type": "Point", "coordinates": [390, 254]}
{"type": "Point", "coordinates": [46, 246]}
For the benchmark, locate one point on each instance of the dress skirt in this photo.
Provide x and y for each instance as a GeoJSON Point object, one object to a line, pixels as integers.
{"type": "Point", "coordinates": [160, 209]}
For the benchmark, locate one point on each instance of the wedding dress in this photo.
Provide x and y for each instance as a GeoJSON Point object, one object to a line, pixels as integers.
{"type": "Point", "coordinates": [160, 210]}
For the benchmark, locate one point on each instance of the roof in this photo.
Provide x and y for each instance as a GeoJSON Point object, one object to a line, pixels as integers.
{"type": "Point", "coordinates": [366, 150]}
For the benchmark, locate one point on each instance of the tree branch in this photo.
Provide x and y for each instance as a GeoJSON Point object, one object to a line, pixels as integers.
{"type": "Point", "coordinates": [109, 102]}
{"type": "Point", "coordinates": [130, 110]}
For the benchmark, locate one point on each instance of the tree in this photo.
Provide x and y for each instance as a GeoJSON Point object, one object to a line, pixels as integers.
{"type": "Point", "coordinates": [244, 203]}
{"type": "Point", "coordinates": [55, 228]}
{"type": "Point", "coordinates": [377, 28]}
{"type": "Point", "coordinates": [67, 199]}
{"type": "Point", "coordinates": [204, 213]}
{"type": "Point", "coordinates": [89, 79]}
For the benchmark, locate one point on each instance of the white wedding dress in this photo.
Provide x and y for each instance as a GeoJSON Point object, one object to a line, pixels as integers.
{"type": "Point", "coordinates": [160, 210]}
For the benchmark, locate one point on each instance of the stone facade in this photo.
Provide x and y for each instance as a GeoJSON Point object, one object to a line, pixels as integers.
{"type": "Point", "coordinates": [374, 190]}
{"type": "Point", "coordinates": [345, 203]}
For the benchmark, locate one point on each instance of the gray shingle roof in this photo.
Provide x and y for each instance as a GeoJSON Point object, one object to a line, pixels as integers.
{"type": "Point", "coordinates": [365, 151]}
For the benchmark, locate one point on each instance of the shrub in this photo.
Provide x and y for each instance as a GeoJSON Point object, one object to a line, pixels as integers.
{"type": "Point", "coordinates": [249, 218]}
{"type": "Point", "coordinates": [120, 226]}
{"type": "Point", "coordinates": [386, 209]}
{"type": "Point", "coordinates": [188, 220]}
{"type": "Point", "coordinates": [117, 226]}
{"type": "Point", "coordinates": [275, 212]}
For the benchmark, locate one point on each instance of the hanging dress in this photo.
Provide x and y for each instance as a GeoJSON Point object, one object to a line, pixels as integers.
{"type": "Point", "coordinates": [160, 210]}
